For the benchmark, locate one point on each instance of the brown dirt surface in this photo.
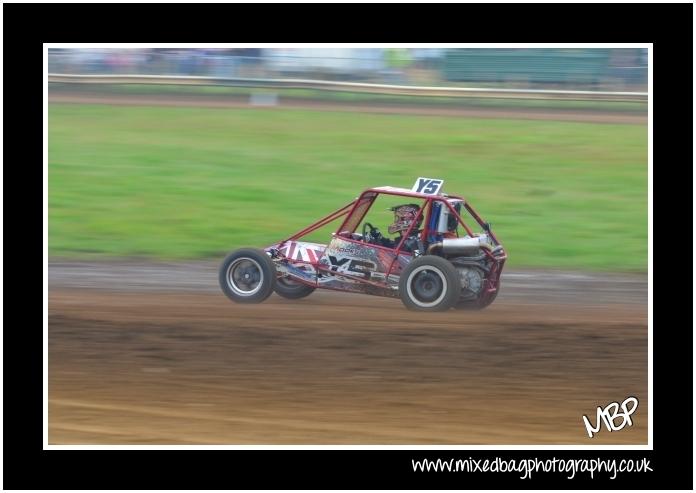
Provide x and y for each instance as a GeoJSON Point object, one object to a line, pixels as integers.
{"type": "Point", "coordinates": [187, 366]}
{"type": "Point", "coordinates": [217, 101]}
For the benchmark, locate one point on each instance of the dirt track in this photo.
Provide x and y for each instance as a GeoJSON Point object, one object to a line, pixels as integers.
{"type": "Point", "coordinates": [216, 101]}
{"type": "Point", "coordinates": [154, 354]}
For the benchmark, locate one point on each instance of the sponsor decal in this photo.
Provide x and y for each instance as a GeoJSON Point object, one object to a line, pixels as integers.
{"type": "Point", "coordinates": [303, 251]}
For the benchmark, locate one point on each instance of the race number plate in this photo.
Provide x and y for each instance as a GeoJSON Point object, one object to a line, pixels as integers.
{"type": "Point", "coordinates": [428, 186]}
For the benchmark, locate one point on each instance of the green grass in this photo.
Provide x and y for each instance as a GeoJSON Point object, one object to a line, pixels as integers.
{"type": "Point", "coordinates": [190, 183]}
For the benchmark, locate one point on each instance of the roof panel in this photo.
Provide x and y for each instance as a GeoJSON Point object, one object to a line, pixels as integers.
{"type": "Point", "coordinates": [410, 193]}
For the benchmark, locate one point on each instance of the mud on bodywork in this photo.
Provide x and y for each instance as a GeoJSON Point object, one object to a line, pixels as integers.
{"type": "Point", "coordinates": [343, 265]}
{"type": "Point", "coordinates": [364, 264]}
{"type": "Point", "coordinates": [296, 259]}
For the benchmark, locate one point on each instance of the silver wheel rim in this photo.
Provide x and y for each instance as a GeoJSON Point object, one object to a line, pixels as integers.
{"type": "Point", "coordinates": [245, 276]}
{"type": "Point", "coordinates": [409, 290]}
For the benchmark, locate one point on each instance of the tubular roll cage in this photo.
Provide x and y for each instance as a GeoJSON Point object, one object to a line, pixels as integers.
{"type": "Point", "coordinates": [366, 199]}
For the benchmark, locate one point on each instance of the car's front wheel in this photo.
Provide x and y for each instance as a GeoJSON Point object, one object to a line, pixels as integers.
{"type": "Point", "coordinates": [247, 275]}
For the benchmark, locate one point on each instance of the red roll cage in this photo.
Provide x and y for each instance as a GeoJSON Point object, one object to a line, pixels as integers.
{"type": "Point", "coordinates": [356, 210]}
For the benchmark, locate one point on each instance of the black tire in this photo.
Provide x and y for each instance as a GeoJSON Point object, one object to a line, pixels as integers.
{"type": "Point", "coordinates": [292, 290]}
{"type": "Point", "coordinates": [430, 284]}
{"type": "Point", "coordinates": [247, 275]}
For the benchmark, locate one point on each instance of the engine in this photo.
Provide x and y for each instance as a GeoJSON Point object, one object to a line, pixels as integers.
{"type": "Point", "coordinates": [472, 279]}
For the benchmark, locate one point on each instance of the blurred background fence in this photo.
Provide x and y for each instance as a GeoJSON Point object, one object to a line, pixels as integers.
{"type": "Point", "coordinates": [616, 69]}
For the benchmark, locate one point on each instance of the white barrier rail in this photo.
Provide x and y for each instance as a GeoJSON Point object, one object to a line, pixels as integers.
{"type": "Point", "coordinates": [472, 92]}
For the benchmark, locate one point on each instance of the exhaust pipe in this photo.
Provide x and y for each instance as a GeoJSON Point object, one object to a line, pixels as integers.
{"type": "Point", "coordinates": [466, 246]}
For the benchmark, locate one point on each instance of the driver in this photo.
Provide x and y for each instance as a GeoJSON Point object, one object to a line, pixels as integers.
{"type": "Point", "coordinates": [403, 217]}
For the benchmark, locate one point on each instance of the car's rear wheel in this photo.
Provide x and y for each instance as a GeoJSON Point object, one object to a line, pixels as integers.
{"type": "Point", "coordinates": [291, 289]}
{"type": "Point", "coordinates": [429, 283]}
{"type": "Point", "coordinates": [247, 276]}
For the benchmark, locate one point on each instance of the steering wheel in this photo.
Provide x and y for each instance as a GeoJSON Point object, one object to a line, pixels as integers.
{"type": "Point", "coordinates": [373, 234]}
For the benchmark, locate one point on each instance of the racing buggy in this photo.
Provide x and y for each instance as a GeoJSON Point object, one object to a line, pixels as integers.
{"type": "Point", "coordinates": [435, 263]}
